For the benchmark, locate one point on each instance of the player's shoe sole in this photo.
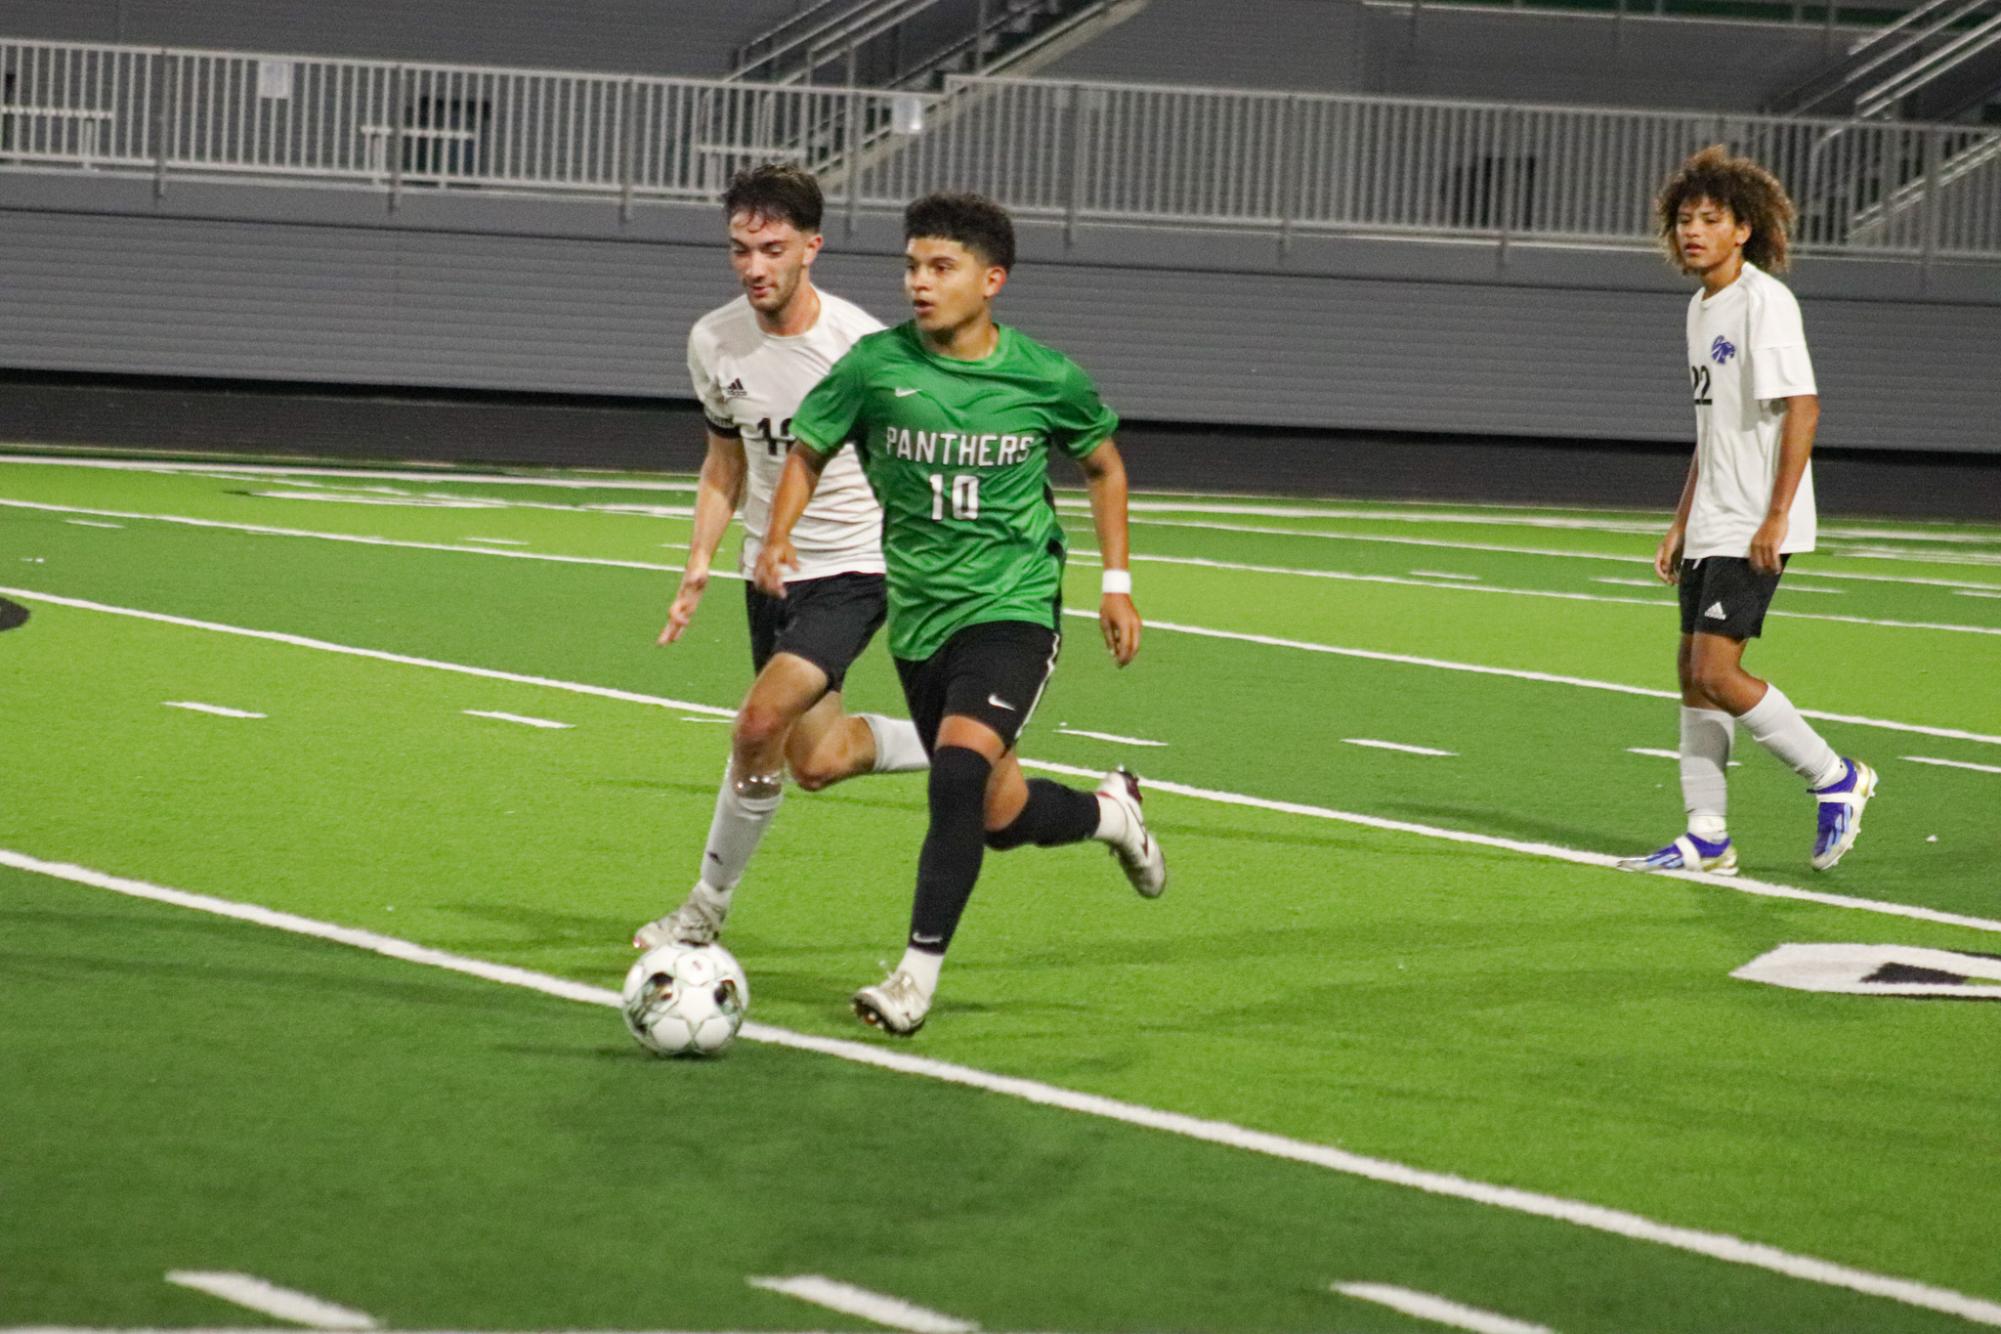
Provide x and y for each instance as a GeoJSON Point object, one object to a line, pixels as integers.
{"type": "Point", "coordinates": [1684, 855]}
{"type": "Point", "coordinates": [894, 1005]}
{"type": "Point", "coordinates": [1832, 845]}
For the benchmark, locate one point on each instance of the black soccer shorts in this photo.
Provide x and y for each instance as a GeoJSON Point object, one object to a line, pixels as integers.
{"type": "Point", "coordinates": [828, 621]}
{"type": "Point", "coordinates": [994, 673]}
{"type": "Point", "coordinates": [1723, 595]}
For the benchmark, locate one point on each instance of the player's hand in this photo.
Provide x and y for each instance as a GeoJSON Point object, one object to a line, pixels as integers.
{"type": "Point", "coordinates": [772, 563]}
{"type": "Point", "coordinates": [1667, 560]}
{"type": "Point", "coordinates": [1765, 543]}
{"type": "Point", "coordinates": [1119, 619]}
{"type": "Point", "coordinates": [687, 597]}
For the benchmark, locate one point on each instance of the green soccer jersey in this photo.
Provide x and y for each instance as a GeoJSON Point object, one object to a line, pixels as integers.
{"type": "Point", "coordinates": [958, 454]}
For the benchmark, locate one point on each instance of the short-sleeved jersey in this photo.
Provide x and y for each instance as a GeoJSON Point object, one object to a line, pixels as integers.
{"type": "Point", "coordinates": [750, 383]}
{"type": "Point", "coordinates": [958, 454]}
{"type": "Point", "coordinates": [1746, 355]}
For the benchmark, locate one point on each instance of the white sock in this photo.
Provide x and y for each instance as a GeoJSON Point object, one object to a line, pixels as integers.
{"type": "Point", "coordinates": [734, 832]}
{"type": "Point", "coordinates": [923, 966]}
{"type": "Point", "coordinates": [1777, 726]}
{"type": "Point", "coordinates": [897, 748]}
{"type": "Point", "coordinates": [1705, 753]}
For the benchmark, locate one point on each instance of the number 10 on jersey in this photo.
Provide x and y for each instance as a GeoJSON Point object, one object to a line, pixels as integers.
{"type": "Point", "coordinates": [965, 496]}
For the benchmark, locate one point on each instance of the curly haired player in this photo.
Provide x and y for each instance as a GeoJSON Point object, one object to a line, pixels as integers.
{"type": "Point", "coordinates": [1747, 505]}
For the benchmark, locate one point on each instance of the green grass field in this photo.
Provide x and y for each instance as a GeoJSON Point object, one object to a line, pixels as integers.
{"type": "Point", "coordinates": [1396, 1022]}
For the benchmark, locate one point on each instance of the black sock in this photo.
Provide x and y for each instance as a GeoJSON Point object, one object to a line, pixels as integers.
{"type": "Point", "coordinates": [953, 846]}
{"type": "Point", "coordinates": [1054, 815]}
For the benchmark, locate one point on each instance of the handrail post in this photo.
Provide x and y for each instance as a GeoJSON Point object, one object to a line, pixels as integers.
{"type": "Point", "coordinates": [1290, 162]}
{"type": "Point", "coordinates": [628, 152]}
{"type": "Point", "coordinates": [1510, 135]}
{"type": "Point", "coordinates": [854, 137]}
{"type": "Point", "coordinates": [396, 110]}
{"type": "Point", "coordinates": [1929, 242]}
{"type": "Point", "coordinates": [1076, 182]}
{"type": "Point", "coordinates": [160, 123]}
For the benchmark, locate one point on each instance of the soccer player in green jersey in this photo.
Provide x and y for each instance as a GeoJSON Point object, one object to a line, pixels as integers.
{"type": "Point", "coordinates": [954, 418]}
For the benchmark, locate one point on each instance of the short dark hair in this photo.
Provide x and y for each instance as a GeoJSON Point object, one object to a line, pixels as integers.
{"type": "Point", "coordinates": [776, 192]}
{"type": "Point", "coordinates": [1752, 194]}
{"type": "Point", "coordinates": [974, 221]}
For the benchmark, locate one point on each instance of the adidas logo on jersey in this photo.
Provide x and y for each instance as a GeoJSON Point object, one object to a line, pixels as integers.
{"type": "Point", "coordinates": [1716, 612]}
{"type": "Point", "coordinates": [736, 390]}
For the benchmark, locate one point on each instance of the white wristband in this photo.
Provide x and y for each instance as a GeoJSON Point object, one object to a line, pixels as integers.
{"type": "Point", "coordinates": [1116, 581]}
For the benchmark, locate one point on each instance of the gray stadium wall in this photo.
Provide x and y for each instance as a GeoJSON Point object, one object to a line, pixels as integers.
{"type": "Point", "coordinates": [692, 38]}
{"type": "Point", "coordinates": [457, 291]}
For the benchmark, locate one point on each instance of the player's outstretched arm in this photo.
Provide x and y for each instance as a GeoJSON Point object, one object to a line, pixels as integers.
{"type": "Point", "coordinates": [796, 484]}
{"type": "Point", "coordinates": [1105, 477]}
{"type": "Point", "coordinates": [718, 492]}
{"type": "Point", "coordinates": [1667, 558]}
{"type": "Point", "coordinates": [1795, 448]}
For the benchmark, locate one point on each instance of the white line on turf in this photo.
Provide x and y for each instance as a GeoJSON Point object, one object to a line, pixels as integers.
{"type": "Point", "coordinates": [1636, 1227]}
{"type": "Point", "coordinates": [1954, 764]}
{"type": "Point", "coordinates": [1515, 673]}
{"type": "Point", "coordinates": [261, 471]}
{"type": "Point", "coordinates": [1394, 745]}
{"type": "Point", "coordinates": [1666, 754]}
{"type": "Point", "coordinates": [1741, 884]}
{"type": "Point", "coordinates": [358, 539]}
{"type": "Point", "coordinates": [92, 523]}
{"type": "Point", "coordinates": [1446, 574]}
{"type": "Point", "coordinates": [523, 719]}
{"type": "Point", "coordinates": [1499, 549]}
{"type": "Point", "coordinates": [724, 721]}
{"type": "Point", "coordinates": [890, 1312]}
{"type": "Point", "coordinates": [1654, 584]}
{"type": "Point", "coordinates": [255, 1294]}
{"type": "Point", "coordinates": [217, 709]}
{"type": "Point", "coordinates": [1555, 594]}
{"type": "Point", "coordinates": [1114, 737]}
{"type": "Point", "coordinates": [498, 541]}
{"type": "Point", "coordinates": [1977, 592]}
{"type": "Point", "coordinates": [1438, 1310]}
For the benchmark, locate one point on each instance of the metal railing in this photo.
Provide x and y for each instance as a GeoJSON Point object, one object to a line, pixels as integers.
{"type": "Point", "coordinates": [1079, 153]}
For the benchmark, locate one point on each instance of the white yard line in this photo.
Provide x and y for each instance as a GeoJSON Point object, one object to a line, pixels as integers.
{"type": "Point", "coordinates": [889, 1312]}
{"type": "Point", "coordinates": [1667, 754]}
{"type": "Point", "coordinates": [92, 523]}
{"type": "Point", "coordinates": [261, 471]}
{"type": "Point", "coordinates": [1555, 594]}
{"type": "Point", "coordinates": [1741, 884]}
{"type": "Point", "coordinates": [497, 541]}
{"type": "Point", "coordinates": [1494, 548]}
{"type": "Point", "coordinates": [1954, 764]}
{"type": "Point", "coordinates": [1395, 745]}
{"type": "Point", "coordinates": [1618, 1222]}
{"type": "Point", "coordinates": [523, 719]}
{"type": "Point", "coordinates": [358, 539]}
{"type": "Point", "coordinates": [1113, 737]}
{"type": "Point", "coordinates": [1424, 1306]}
{"type": "Point", "coordinates": [1513, 673]}
{"type": "Point", "coordinates": [255, 1294]}
{"type": "Point", "coordinates": [218, 710]}
{"type": "Point", "coordinates": [1447, 574]}
{"type": "Point", "coordinates": [1977, 592]}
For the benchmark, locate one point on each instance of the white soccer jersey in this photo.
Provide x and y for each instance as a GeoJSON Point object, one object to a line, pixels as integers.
{"type": "Point", "coordinates": [1746, 355]}
{"type": "Point", "coordinates": [750, 383]}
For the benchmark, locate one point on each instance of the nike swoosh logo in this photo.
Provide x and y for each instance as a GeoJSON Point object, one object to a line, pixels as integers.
{"type": "Point", "coordinates": [906, 393]}
{"type": "Point", "coordinates": [916, 939]}
{"type": "Point", "coordinates": [1000, 703]}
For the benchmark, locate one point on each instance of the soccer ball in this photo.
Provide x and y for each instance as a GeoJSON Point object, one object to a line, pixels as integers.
{"type": "Point", "coordinates": [685, 1000]}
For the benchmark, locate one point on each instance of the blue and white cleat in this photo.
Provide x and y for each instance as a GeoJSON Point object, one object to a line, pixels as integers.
{"type": "Point", "coordinates": [1840, 815]}
{"type": "Point", "coordinates": [1688, 853]}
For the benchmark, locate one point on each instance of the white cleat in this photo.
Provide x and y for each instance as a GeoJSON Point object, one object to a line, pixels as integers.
{"type": "Point", "coordinates": [1137, 852]}
{"type": "Point", "coordinates": [695, 922]}
{"type": "Point", "coordinates": [895, 1005]}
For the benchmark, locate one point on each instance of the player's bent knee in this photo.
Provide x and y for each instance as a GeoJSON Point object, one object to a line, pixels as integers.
{"type": "Point", "coordinates": [958, 779]}
{"type": "Point", "coordinates": [759, 725]}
